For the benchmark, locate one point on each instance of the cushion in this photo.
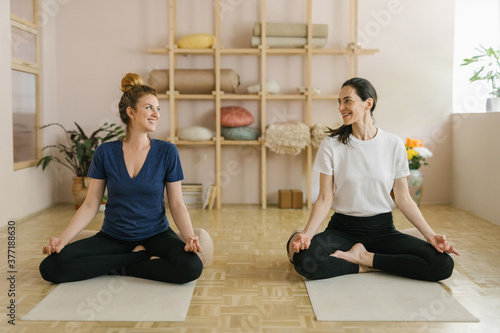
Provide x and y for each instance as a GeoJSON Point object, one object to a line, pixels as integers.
{"type": "Point", "coordinates": [240, 133]}
{"type": "Point", "coordinates": [235, 116]}
{"type": "Point", "coordinates": [196, 41]}
{"type": "Point", "coordinates": [194, 81]}
{"type": "Point", "coordinates": [287, 138]}
{"type": "Point", "coordinates": [195, 133]}
{"type": "Point", "coordinates": [206, 243]}
{"type": "Point", "coordinates": [272, 87]}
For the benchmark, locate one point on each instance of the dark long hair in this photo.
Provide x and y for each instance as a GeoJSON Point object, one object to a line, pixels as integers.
{"type": "Point", "coordinates": [364, 89]}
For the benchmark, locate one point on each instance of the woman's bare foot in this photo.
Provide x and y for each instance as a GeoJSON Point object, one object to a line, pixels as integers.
{"type": "Point", "coordinates": [139, 248]}
{"type": "Point", "coordinates": [142, 248]}
{"type": "Point", "coordinates": [357, 255]}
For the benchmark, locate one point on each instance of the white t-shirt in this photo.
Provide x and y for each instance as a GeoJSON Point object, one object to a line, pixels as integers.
{"type": "Point", "coordinates": [363, 172]}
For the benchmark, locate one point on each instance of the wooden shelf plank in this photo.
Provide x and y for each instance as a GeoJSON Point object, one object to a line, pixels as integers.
{"type": "Point", "coordinates": [186, 96]}
{"type": "Point", "coordinates": [269, 51]}
{"type": "Point", "coordinates": [239, 51]}
{"type": "Point", "coordinates": [194, 51]}
{"type": "Point", "coordinates": [286, 97]}
{"type": "Point", "coordinates": [194, 96]}
{"type": "Point", "coordinates": [194, 143]}
{"type": "Point", "coordinates": [163, 51]}
{"type": "Point", "coordinates": [240, 96]}
{"type": "Point", "coordinates": [326, 97]}
{"type": "Point", "coordinates": [241, 142]}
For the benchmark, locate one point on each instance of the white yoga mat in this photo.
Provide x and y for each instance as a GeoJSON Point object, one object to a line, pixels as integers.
{"type": "Point", "coordinates": [114, 298]}
{"type": "Point", "coordinates": [378, 296]}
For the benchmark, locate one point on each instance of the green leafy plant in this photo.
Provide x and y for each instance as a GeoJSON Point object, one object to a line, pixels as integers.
{"type": "Point", "coordinates": [488, 61]}
{"type": "Point", "coordinates": [79, 150]}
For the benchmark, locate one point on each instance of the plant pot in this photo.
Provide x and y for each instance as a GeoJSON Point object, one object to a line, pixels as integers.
{"type": "Point", "coordinates": [493, 104]}
{"type": "Point", "coordinates": [80, 189]}
{"type": "Point", "coordinates": [415, 185]}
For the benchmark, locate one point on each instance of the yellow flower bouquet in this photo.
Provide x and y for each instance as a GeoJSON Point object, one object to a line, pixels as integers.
{"type": "Point", "coordinates": [417, 153]}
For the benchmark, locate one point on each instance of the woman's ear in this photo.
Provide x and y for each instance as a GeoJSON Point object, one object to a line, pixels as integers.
{"type": "Point", "coordinates": [130, 112]}
{"type": "Point", "coordinates": [369, 103]}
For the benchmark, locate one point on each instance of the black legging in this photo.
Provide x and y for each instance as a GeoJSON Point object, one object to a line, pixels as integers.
{"type": "Point", "coordinates": [102, 254]}
{"type": "Point", "coordinates": [395, 252]}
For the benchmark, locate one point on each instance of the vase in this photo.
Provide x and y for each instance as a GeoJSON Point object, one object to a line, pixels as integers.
{"type": "Point", "coordinates": [493, 104]}
{"type": "Point", "coordinates": [415, 185]}
{"type": "Point", "coordinates": [80, 189]}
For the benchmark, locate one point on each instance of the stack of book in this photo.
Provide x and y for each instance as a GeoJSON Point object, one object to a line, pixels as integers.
{"type": "Point", "coordinates": [210, 195]}
{"type": "Point", "coordinates": [192, 195]}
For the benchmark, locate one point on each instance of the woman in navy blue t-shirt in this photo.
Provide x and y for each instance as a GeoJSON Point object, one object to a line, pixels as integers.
{"type": "Point", "coordinates": [135, 238]}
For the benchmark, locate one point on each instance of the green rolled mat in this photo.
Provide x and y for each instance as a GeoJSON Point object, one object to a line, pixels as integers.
{"type": "Point", "coordinates": [291, 30]}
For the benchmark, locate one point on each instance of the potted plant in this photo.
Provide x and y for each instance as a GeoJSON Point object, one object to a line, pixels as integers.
{"type": "Point", "coordinates": [488, 61]}
{"type": "Point", "coordinates": [77, 153]}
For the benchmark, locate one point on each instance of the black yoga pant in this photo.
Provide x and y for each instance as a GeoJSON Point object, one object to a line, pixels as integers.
{"type": "Point", "coordinates": [395, 252]}
{"type": "Point", "coordinates": [102, 254]}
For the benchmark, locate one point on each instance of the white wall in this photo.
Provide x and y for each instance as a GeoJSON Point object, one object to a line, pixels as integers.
{"type": "Point", "coordinates": [413, 74]}
{"type": "Point", "coordinates": [475, 180]}
{"type": "Point", "coordinates": [25, 191]}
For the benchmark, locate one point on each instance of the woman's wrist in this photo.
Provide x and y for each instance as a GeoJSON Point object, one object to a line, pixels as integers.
{"type": "Point", "coordinates": [308, 232]}
{"type": "Point", "coordinates": [428, 235]}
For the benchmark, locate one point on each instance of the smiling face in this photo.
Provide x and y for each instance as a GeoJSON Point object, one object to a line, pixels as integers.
{"type": "Point", "coordinates": [352, 107]}
{"type": "Point", "coordinates": [146, 114]}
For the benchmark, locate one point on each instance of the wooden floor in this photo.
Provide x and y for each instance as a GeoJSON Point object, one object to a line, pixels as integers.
{"type": "Point", "coordinates": [251, 287]}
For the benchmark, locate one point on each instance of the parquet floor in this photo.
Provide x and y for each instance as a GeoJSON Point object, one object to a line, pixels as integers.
{"type": "Point", "coordinates": [251, 287]}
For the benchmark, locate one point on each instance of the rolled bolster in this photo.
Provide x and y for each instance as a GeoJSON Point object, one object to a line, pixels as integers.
{"type": "Point", "coordinates": [194, 81]}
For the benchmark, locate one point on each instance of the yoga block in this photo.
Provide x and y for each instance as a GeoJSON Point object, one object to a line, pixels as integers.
{"type": "Point", "coordinates": [297, 199]}
{"type": "Point", "coordinates": [285, 199]}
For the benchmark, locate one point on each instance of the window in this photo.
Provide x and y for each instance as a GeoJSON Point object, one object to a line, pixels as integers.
{"type": "Point", "coordinates": [476, 23]}
{"type": "Point", "coordinates": [25, 71]}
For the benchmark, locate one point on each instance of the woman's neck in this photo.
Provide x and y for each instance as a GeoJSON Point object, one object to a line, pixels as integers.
{"type": "Point", "coordinates": [136, 140]}
{"type": "Point", "coordinates": [364, 130]}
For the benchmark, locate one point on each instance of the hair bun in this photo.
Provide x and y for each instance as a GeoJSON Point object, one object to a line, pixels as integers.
{"type": "Point", "coordinates": [131, 80]}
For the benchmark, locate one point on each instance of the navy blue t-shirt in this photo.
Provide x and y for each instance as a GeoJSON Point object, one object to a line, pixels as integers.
{"type": "Point", "coordinates": [136, 207]}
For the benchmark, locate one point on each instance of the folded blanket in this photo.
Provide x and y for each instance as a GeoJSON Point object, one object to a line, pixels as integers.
{"type": "Point", "coordinates": [291, 30]}
{"type": "Point", "coordinates": [289, 42]}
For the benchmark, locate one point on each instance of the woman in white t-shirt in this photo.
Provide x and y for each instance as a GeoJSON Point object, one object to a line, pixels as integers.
{"type": "Point", "coordinates": [359, 165]}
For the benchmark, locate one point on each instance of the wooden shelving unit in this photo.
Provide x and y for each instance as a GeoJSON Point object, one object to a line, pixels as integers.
{"type": "Point", "coordinates": [263, 51]}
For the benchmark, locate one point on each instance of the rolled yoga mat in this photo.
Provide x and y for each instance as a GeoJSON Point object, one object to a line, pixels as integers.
{"type": "Point", "coordinates": [291, 30]}
{"type": "Point", "coordinates": [194, 81]}
{"type": "Point", "coordinates": [288, 42]}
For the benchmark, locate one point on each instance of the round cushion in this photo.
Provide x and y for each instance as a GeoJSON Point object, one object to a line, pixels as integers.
{"type": "Point", "coordinates": [195, 133]}
{"type": "Point", "coordinates": [291, 239]}
{"type": "Point", "coordinates": [235, 116]}
{"type": "Point", "coordinates": [196, 41]}
{"type": "Point", "coordinates": [240, 133]}
{"type": "Point", "coordinates": [206, 243]}
{"type": "Point", "coordinates": [272, 87]}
